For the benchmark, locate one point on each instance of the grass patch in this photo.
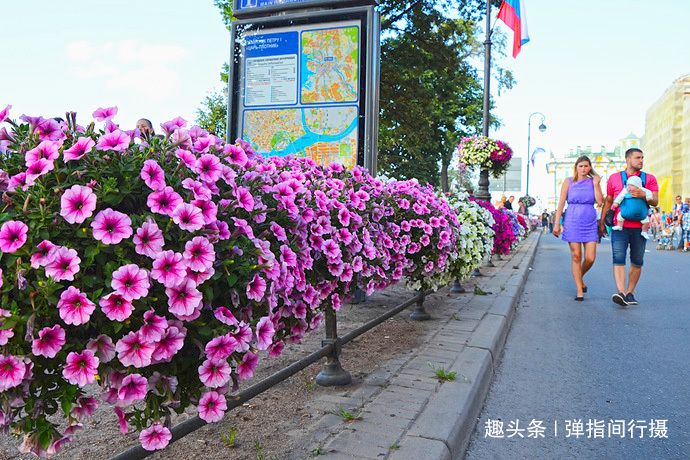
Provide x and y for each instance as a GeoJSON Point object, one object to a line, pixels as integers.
{"type": "Point", "coordinates": [442, 374]}
{"type": "Point", "coordinates": [346, 415]}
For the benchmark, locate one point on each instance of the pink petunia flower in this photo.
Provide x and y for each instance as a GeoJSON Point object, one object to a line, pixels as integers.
{"type": "Point", "coordinates": [103, 347]}
{"type": "Point", "coordinates": [246, 369]}
{"type": "Point", "coordinates": [276, 350]}
{"type": "Point", "coordinates": [214, 374]}
{"type": "Point", "coordinates": [199, 254]}
{"type": "Point", "coordinates": [131, 282]}
{"type": "Point", "coordinates": [79, 149]}
{"type": "Point", "coordinates": [102, 114]}
{"type": "Point", "coordinates": [153, 175]}
{"type": "Point", "coordinates": [117, 141]}
{"type": "Point", "coordinates": [256, 288]}
{"type": "Point", "coordinates": [212, 406]}
{"type": "Point", "coordinates": [77, 204]}
{"type": "Point", "coordinates": [220, 347]}
{"type": "Point", "coordinates": [5, 336]}
{"type": "Point", "coordinates": [13, 235]}
{"type": "Point", "coordinates": [199, 277]}
{"type": "Point", "coordinates": [208, 209]}
{"type": "Point", "coordinates": [264, 333]}
{"type": "Point", "coordinates": [20, 180]}
{"type": "Point", "coordinates": [225, 316]}
{"type": "Point", "coordinates": [184, 298]}
{"type": "Point", "coordinates": [149, 240]}
{"type": "Point", "coordinates": [132, 350]}
{"type": "Point", "coordinates": [164, 201]}
{"type": "Point", "coordinates": [245, 200]}
{"type": "Point", "coordinates": [4, 112]}
{"type": "Point", "coordinates": [153, 328]}
{"type": "Point", "coordinates": [49, 342]}
{"type": "Point", "coordinates": [116, 307]}
{"type": "Point", "coordinates": [75, 308]}
{"type": "Point", "coordinates": [111, 227]}
{"type": "Point", "coordinates": [38, 168]}
{"type": "Point", "coordinates": [169, 268]}
{"type": "Point", "coordinates": [84, 408]}
{"type": "Point", "coordinates": [155, 437]}
{"type": "Point", "coordinates": [187, 158]}
{"type": "Point", "coordinates": [122, 420]}
{"type": "Point", "coordinates": [12, 371]}
{"type": "Point", "coordinates": [170, 343]}
{"type": "Point", "coordinates": [188, 217]}
{"type": "Point", "coordinates": [200, 191]}
{"type": "Point", "coordinates": [132, 388]}
{"type": "Point", "coordinates": [81, 368]}
{"type": "Point", "coordinates": [46, 150]}
{"type": "Point", "coordinates": [63, 263]}
{"type": "Point", "coordinates": [208, 168]}
{"type": "Point", "coordinates": [235, 155]}
{"type": "Point", "coordinates": [243, 335]}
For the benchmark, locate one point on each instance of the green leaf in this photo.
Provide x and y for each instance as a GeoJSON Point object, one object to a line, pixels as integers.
{"type": "Point", "coordinates": [113, 199]}
{"type": "Point", "coordinates": [117, 326]}
{"type": "Point", "coordinates": [44, 438]}
{"type": "Point", "coordinates": [205, 331]}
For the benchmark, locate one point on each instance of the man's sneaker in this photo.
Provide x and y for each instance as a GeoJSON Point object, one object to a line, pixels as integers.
{"type": "Point", "coordinates": [630, 298]}
{"type": "Point", "coordinates": [619, 299]}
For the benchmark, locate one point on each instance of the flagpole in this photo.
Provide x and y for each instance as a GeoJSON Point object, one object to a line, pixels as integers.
{"type": "Point", "coordinates": [483, 193]}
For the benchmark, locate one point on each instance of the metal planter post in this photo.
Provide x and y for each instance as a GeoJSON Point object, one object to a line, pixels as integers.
{"type": "Point", "coordinates": [457, 288]}
{"type": "Point", "coordinates": [419, 313]}
{"type": "Point", "coordinates": [333, 373]}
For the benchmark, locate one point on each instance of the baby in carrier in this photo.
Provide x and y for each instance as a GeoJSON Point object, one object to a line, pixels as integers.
{"type": "Point", "coordinates": [624, 194]}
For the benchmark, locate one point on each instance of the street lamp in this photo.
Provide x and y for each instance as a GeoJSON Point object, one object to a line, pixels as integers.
{"type": "Point", "coordinates": [542, 128]}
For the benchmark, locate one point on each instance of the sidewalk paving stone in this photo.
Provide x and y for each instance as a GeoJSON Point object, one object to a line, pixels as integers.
{"type": "Point", "coordinates": [405, 412]}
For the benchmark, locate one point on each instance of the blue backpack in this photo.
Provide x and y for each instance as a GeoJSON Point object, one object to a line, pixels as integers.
{"type": "Point", "coordinates": [633, 208]}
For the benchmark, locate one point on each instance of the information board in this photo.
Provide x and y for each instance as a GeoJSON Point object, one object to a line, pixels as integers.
{"type": "Point", "coordinates": [300, 89]}
{"type": "Point", "coordinates": [245, 8]}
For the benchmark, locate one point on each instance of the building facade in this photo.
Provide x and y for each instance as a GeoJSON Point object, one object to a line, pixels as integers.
{"type": "Point", "coordinates": [604, 163]}
{"type": "Point", "coordinates": [666, 142]}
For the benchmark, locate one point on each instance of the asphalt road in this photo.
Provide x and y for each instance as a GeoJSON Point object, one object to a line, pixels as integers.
{"type": "Point", "coordinates": [567, 361]}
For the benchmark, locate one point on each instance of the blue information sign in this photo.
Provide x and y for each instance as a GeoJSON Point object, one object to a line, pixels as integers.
{"type": "Point", "coordinates": [246, 8]}
{"type": "Point", "coordinates": [248, 4]}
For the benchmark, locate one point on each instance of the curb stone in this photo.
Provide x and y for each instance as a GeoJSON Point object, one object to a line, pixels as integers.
{"type": "Point", "coordinates": [405, 414]}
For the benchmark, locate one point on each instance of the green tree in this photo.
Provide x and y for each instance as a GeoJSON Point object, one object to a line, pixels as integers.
{"type": "Point", "coordinates": [431, 93]}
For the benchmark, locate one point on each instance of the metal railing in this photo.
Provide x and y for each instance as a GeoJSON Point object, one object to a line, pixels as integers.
{"type": "Point", "coordinates": [332, 374]}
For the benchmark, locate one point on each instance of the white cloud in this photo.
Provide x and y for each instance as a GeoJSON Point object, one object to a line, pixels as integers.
{"type": "Point", "coordinates": [157, 81]}
{"type": "Point", "coordinates": [129, 64]}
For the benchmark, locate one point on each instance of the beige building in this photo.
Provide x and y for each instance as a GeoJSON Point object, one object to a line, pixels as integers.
{"type": "Point", "coordinates": [666, 142]}
{"type": "Point", "coordinates": [604, 162]}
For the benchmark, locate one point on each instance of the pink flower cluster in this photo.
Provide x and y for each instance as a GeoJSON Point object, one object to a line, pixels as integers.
{"type": "Point", "coordinates": [126, 256]}
{"type": "Point", "coordinates": [504, 232]}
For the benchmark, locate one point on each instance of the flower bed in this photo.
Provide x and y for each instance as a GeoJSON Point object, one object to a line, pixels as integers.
{"type": "Point", "coordinates": [164, 269]}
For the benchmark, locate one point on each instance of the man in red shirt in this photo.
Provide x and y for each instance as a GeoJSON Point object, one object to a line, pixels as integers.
{"type": "Point", "coordinates": [630, 236]}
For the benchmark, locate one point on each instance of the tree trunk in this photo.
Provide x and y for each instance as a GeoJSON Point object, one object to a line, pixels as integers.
{"type": "Point", "coordinates": [445, 162]}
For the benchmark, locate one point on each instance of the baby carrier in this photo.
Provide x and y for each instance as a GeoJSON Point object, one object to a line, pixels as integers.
{"type": "Point", "coordinates": [633, 208]}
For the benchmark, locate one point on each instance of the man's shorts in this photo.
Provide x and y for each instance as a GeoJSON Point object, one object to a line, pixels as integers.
{"type": "Point", "coordinates": [628, 237]}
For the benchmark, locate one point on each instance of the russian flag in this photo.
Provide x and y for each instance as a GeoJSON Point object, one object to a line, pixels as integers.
{"type": "Point", "coordinates": [512, 12]}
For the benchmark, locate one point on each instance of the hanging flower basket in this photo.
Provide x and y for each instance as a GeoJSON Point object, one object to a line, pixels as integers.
{"type": "Point", "coordinates": [485, 153]}
{"type": "Point", "coordinates": [528, 201]}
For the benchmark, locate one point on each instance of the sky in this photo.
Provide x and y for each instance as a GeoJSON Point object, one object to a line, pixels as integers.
{"type": "Point", "coordinates": [592, 67]}
{"type": "Point", "coordinates": [152, 59]}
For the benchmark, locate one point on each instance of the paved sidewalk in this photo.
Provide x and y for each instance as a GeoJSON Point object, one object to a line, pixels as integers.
{"type": "Point", "coordinates": [404, 412]}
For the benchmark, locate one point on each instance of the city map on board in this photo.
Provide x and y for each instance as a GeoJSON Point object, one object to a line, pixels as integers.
{"type": "Point", "coordinates": [330, 65]}
{"type": "Point", "coordinates": [324, 134]}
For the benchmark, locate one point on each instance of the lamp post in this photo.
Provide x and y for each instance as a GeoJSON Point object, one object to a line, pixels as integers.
{"type": "Point", "coordinates": [542, 128]}
{"type": "Point", "coordinates": [483, 192]}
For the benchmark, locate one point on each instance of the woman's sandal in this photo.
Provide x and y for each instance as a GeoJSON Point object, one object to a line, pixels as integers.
{"type": "Point", "coordinates": [584, 289]}
{"type": "Point", "coordinates": [579, 298]}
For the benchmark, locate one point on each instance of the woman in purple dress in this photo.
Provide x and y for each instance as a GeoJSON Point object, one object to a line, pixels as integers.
{"type": "Point", "coordinates": [580, 226]}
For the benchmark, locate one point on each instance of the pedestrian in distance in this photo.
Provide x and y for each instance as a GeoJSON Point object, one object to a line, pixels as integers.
{"type": "Point", "coordinates": [656, 221]}
{"type": "Point", "coordinates": [145, 127]}
{"type": "Point", "coordinates": [545, 221]}
{"type": "Point", "coordinates": [630, 237]}
{"type": "Point", "coordinates": [509, 202]}
{"type": "Point", "coordinates": [580, 230]}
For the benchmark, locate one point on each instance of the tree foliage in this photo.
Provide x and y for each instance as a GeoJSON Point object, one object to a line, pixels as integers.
{"type": "Point", "coordinates": [431, 90]}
